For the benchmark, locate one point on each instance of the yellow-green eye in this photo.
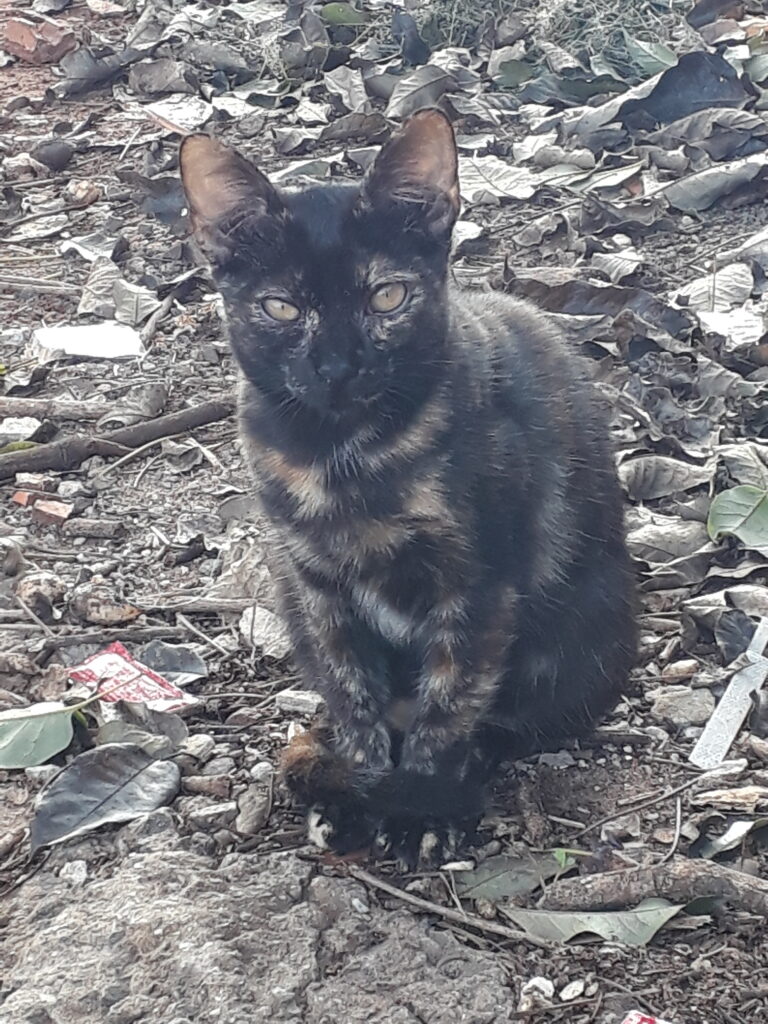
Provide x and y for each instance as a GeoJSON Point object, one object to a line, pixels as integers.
{"type": "Point", "coordinates": [280, 310]}
{"type": "Point", "coordinates": [388, 297]}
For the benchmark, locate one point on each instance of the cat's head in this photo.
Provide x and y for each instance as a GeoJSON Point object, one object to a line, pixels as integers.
{"type": "Point", "coordinates": [335, 294]}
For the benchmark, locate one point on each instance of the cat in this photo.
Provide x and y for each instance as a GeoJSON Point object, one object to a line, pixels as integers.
{"type": "Point", "coordinates": [449, 545]}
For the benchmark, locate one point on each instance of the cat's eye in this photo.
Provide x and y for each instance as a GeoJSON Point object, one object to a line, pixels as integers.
{"type": "Point", "coordinates": [388, 297]}
{"type": "Point", "coordinates": [280, 310]}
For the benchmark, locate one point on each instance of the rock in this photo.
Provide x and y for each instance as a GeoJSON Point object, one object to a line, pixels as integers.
{"type": "Point", "coordinates": [535, 994]}
{"type": "Point", "coordinates": [262, 771]}
{"type": "Point", "coordinates": [678, 670]}
{"type": "Point", "coordinates": [260, 627]}
{"type": "Point", "coordinates": [75, 872]}
{"type": "Point", "coordinates": [299, 702]}
{"type": "Point", "coordinates": [37, 39]}
{"type": "Point", "coordinates": [54, 153]}
{"type": "Point", "coordinates": [254, 805]}
{"type": "Point", "coordinates": [254, 939]}
{"type": "Point", "coordinates": [682, 706]}
{"type": "Point", "coordinates": [211, 816]}
{"type": "Point", "coordinates": [573, 990]}
{"type": "Point", "coordinates": [208, 785]}
{"type": "Point", "coordinates": [220, 766]}
{"type": "Point", "coordinates": [200, 746]}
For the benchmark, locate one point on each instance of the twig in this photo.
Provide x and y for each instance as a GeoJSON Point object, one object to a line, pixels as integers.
{"type": "Point", "coordinates": [680, 880]}
{"type": "Point", "coordinates": [35, 618]}
{"type": "Point", "coordinates": [66, 454]}
{"type": "Point", "coordinates": [54, 408]}
{"type": "Point", "coordinates": [195, 605]}
{"type": "Point", "coordinates": [206, 639]}
{"type": "Point", "coordinates": [456, 916]}
{"type": "Point", "coordinates": [678, 828]}
{"type": "Point", "coordinates": [31, 284]}
{"type": "Point", "coordinates": [639, 807]}
{"type": "Point", "coordinates": [109, 636]}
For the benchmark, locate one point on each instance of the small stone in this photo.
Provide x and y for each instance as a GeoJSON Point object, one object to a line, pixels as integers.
{"type": "Point", "coordinates": [682, 706]}
{"type": "Point", "coordinates": [200, 746]}
{"type": "Point", "coordinates": [535, 994]}
{"type": "Point", "coordinates": [213, 816]}
{"type": "Point", "coordinates": [52, 513]}
{"type": "Point", "coordinates": [42, 773]}
{"type": "Point", "coordinates": [573, 990]}
{"type": "Point", "coordinates": [209, 785]}
{"type": "Point", "coordinates": [220, 766]}
{"type": "Point", "coordinates": [254, 805]}
{"type": "Point", "coordinates": [37, 39]}
{"type": "Point", "coordinates": [676, 671]}
{"type": "Point", "coordinates": [485, 909]}
{"type": "Point", "coordinates": [759, 747]}
{"type": "Point", "coordinates": [262, 772]}
{"type": "Point", "coordinates": [54, 153]}
{"type": "Point", "coordinates": [299, 702]}
{"type": "Point", "coordinates": [260, 627]}
{"type": "Point", "coordinates": [74, 871]}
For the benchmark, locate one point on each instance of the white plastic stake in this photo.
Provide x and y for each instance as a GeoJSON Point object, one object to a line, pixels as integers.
{"type": "Point", "coordinates": [728, 717]}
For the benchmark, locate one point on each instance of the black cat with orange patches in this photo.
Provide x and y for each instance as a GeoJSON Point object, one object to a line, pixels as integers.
{"type": "Point", "coordinates": [448, 526]}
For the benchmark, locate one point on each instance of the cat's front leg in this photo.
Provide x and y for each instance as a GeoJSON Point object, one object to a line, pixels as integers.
{"type": "Point", "coordinates": [350, 752]}
{"type": "Point", "coordinates": [436, 791]}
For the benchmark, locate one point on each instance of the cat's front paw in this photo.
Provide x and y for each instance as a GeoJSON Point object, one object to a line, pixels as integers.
{"type": "Point", "coordinates": [418, 845]}
{"type": "Point", "coordinates": [341, 828]}
{"type": "Point", "coordinates": [424, 818]}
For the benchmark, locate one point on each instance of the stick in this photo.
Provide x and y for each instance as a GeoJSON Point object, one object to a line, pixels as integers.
{"type": "Point", "coordinates": [458, 917]}
{"type": "Point", "coordinates": [679, 880]}
{"type": "Point", "coordinates": [53, 408]}
{"type": "Point", "coordinates": [66, 454]}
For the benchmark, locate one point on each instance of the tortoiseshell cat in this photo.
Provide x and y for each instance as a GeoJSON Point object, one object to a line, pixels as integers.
{"type": "Point", "coordinates": [449, 548]}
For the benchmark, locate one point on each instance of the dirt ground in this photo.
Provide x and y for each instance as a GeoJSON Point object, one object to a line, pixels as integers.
{"type": "Point", "coordinates": [192, 913]}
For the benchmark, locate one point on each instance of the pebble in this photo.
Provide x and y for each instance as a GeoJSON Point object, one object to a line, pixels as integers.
{"type": "Point", "coordinates": [573, 990]}
{"type": "Point", "coordinates": [213, 815]}
{"type": "Point", "coordinates": [262, 772]}
{"type": "Point", "coordinates": [260, 627]}
{"type": "Point", "coordinates": [254, 805]}
{"type": "Point", "coordinates": [74, 871]}
{"type": "Point", "coordinates": [220, 766]}
{"type": "Point", "coordinates": [209, 785]}
{"type": "Point", "coordinates": [683, 706]}
{"type": "Point", "coordinates": [299, 702]}
{"type": "Point", "coordinates": [200, 746]}
{"type": "Point", "coordinates": [679, 670]}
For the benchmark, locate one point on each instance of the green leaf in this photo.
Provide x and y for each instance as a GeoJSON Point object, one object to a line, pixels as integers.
{"type": "Point", "coordinates": [17, 446]}
{"type": "Point", "coordinates": [742, 512]}
{"type": "Point", "coordinates": [511, 875]}
{"type": "Point", "coordinates": [632, 927]}
{"type": "Point", "coordinates": [30, 736]}
{"type": "Point", "coordinates": [511, 73]}
{"type": "Point", "coordinates": [343, 14]}
{"type": "Point", "coordinates": [650, 57]}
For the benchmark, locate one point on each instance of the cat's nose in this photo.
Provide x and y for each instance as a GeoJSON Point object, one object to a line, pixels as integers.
{"type": "Point", "coordinates": [334, 369]}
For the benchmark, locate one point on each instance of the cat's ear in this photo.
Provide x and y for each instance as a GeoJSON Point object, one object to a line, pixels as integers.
{"type": "Point", "coordinates": [221, 187]}
{"type": "Point", "coordinates": [419, 165]}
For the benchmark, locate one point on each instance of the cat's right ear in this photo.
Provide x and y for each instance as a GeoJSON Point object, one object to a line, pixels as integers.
{"type": "Point", "coordinates": [222, 187]}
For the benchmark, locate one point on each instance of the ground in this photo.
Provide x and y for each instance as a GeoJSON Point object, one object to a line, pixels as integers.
{"type": "Point", "coordinates": [215, 908]}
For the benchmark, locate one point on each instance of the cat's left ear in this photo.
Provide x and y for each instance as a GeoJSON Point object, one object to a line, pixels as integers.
{"type": "Point", "coordinates": [221, 185]}
{"type": "Point", "coordinates": [419, 165]}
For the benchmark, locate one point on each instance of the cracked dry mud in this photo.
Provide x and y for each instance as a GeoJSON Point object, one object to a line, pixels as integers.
{"type": "Point", "coordinates": [168, 934]}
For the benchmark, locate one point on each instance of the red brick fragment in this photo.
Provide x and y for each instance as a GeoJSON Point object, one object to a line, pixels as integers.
{"type": "Point", "coordinates": [24, 497]}
{"type": "Point", "coordinates": [52, 512]}
{"type": "Point", "coordinates": [37, 39]}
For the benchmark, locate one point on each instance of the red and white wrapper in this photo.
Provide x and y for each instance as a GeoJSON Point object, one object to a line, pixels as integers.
{"type": "Point", "coordinates": [117, 674]}
{"type": "Point", "coordinates": [636, 1017]}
